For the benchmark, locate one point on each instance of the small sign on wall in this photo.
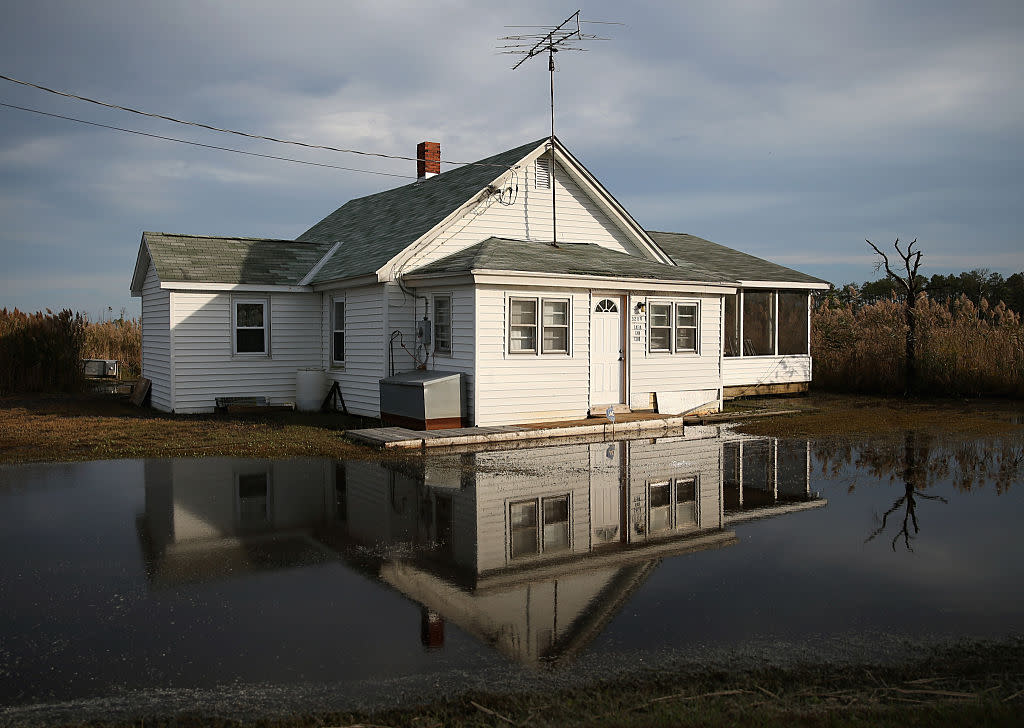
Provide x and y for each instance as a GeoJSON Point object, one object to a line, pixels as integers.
{"type": "Point", "coordinates": [637, 327]}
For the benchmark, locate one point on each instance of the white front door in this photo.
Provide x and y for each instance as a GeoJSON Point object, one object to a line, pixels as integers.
{"type": "Point", "coordinates": [607, 360]}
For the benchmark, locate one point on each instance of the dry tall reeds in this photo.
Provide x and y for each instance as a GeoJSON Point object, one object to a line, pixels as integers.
{"type": "Point", "coordinates": [119, 339]}
{"type": "Point", "coordinates": [962, 349]}
{"type": "Point", "coordinates": [40, 352]}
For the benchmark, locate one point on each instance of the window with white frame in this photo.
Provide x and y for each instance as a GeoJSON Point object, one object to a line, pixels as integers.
{"type": "Point", "coordinates": [673, 327]}
{"type": "Point", "coordinates": [539, 325]}
{"type": "Point", "coordinates": [673, 504]}
{"type": "Point", "coordinates": [337, 330]}
{"type": "Point", "coordinates": [522, 329]}
{"type": "Point", "coordinates": [686, 327]}
{"type": "Point", "coordinates": [539, 526]}
{"type": "Point", "coordinates": [659, 335]}
{"type": "Point", "coordinates": [555, 339]}
{"type": "Point", "coordinates": [442, 324]}
{"type": "Point", "coordinates": [253, 500]}
{"type": "Point", "coordinates": [250, 326]}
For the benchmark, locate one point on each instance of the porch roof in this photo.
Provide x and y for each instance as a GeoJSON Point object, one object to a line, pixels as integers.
{"type": "Point", "coordinates": [689, 249]}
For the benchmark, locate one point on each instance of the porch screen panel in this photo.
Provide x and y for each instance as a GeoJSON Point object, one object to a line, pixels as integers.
{"type": "Point", "coordinates": [732, 325]}
{"type": "Point", "coordinates": [758, 323]}
{"type": "Point", "coordinates": [792, 323]}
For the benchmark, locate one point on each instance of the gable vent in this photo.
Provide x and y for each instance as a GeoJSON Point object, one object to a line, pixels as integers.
{"type": "Point", "coordinates": [543, 168]}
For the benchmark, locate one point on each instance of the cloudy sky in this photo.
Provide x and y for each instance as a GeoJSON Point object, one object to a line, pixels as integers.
{"type": "Point", "coordinates": [791, 130]}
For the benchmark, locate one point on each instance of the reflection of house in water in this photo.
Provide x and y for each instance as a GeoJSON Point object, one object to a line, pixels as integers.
{"type": "Point", "coordinates": [531, 551]}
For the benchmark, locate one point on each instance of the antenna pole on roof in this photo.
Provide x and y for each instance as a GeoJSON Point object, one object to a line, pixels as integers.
{"type": "Point", "coordinates": [551, 39]}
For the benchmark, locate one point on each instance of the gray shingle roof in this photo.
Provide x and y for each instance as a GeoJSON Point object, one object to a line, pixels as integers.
{"type": "Point", "coordinates": [204, 259]}
{"type": "Point", "coordinates": [375, 228]}
{"type": "Point", "coordinates": [689, 249]}
{"type": "Point", "coordinates": [568, 259]}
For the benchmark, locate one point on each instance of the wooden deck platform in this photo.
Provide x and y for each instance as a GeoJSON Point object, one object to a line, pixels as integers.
{"type": "Point", "coordinates": [634, 424]}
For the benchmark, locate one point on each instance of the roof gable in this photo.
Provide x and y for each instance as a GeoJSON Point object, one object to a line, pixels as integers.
{"type": "Point", "coordinates": [242, 261]}
{"type": "Point", "coordinates": [689, 249]}
{"type": "Point", "coordinates": [374, 229]}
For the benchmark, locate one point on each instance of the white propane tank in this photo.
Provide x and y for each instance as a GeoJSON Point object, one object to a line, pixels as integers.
{"type": "Point", "coordinates": [310, 389]}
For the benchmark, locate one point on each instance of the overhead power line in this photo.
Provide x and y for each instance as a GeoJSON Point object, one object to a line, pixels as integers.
{"type": "Point", "coordinates": [200, 144]}
{"type": "Point", "coordinates": [68, 94]}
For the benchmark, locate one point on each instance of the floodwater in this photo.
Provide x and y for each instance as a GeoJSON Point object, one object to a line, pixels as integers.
{"type": "Point", "coordinates": [144, 580]}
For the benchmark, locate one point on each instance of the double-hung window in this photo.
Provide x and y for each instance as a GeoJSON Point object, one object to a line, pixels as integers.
{"type": "Point", "coordinates": [250, 326]}
{"type": "Point", "coordinates": [539, 325]}
{"type": "Point", "coordinates": [672, 327]}
{"type": "Point", "coordinates": [686, 327]}
{"type": "Point", "coordinates": [337, 330]}
{"type": "Point", "coordinates": [442, 325]}
{"type": "Point", "coordinates": [539, 526]}
{"type": "Point", "coordinates": [522, 330]}
{"type": "Point", "coordinates": [556, 326]}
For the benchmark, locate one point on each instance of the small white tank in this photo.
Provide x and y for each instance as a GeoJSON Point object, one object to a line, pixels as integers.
{"type": "Point", "coordinates": [310, 389]}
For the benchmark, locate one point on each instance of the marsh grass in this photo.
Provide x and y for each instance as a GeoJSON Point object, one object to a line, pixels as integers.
{"type": "Point", "coordinates": [41, 352]}
{"type": "Point", "coordinates": [962, 350]}
{"type": "Point", "coordinates": [119, 339]}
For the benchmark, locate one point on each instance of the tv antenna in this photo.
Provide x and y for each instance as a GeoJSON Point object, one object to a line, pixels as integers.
{"type": "Point", "coordinates": [535, 40]}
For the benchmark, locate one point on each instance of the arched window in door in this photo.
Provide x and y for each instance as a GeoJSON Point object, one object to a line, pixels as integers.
{"type": "Point", "coordinates": [606, 305]}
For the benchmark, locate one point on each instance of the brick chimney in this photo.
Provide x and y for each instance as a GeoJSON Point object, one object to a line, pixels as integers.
{"type": "Point", "coordinates": [428, 160]}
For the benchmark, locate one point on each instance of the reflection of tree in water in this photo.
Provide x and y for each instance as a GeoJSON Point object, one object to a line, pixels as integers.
{"type": "Point", "coordinates": [915, 455]}
{"type": "Point", "coordinates": [967, 463]}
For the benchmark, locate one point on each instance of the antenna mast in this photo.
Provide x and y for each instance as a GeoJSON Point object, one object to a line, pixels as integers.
{"type": "Point", "coordinates": [551, 40]}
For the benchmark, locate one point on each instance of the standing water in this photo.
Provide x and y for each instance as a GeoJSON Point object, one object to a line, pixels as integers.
{"type": "Point", "coordinates": [303, 584]}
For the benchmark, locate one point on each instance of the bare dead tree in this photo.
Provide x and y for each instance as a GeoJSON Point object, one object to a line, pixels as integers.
{"type": "Point", "coordinates": [909, 286]}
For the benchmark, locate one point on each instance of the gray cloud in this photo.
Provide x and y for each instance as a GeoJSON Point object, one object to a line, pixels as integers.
{"type": "Point", "coordinates": [792, 130]}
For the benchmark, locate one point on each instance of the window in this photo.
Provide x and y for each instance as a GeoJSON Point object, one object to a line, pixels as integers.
{"type": "Point", "coordinates": [732, 325]}
{"type": "Point", "coordinates": [250, 326]}
{"type": "Point", "coordinates": [660, 321]}
{"type": "Point", "coordinates": [338, 331]}
{"type": "Point", "coordinates": [543, 177]}
{"type": "Point", "coordinates": [758, 323]}
{"type": "Point", "coordinates": [606, 305]}
{"type": "Point", "coordinates": [686, 327]}
{"type": "Point", "coordinates": [673, 327]}
{"type": "Point", "coordinates": [442, 324]}
{"type": "Point", "coordinates": [767, 323]}
{"type": "Point", "coordinates": [792, 323]}
{"type": "Point", "coordinates": [522, 331]}
{"type": "Point", "coordinates": [253, 500]}
{"type": "Point", "coordinates": [556, 524]}
{"type": "Point", "coordinates": [549, 535]}
{"type": "Point", "coordinates": [673, 504]}
{"type": "Point", "coordinates": [523, 521]}
{"type": "Point", "coordinates": [556, 327]}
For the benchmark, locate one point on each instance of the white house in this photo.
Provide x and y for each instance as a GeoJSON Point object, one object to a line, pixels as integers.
{"type": "Point", "coordinates": [611, 314]}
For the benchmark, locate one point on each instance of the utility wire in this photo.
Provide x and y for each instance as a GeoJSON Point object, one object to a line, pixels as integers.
{"type": "Point", "coordinates": [233, 131]}
{"type": "Point", "coordinates": [200, 144]}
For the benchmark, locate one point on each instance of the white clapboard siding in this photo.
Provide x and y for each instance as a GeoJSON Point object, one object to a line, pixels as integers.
{"type": "Point", "coordinates": [156, 340]}
{"type": "Point", "coordinates": [204, 367]}
{"type": "Point", "coordinates": [753, 370]}
{"type": "Point", "coordinates": [520, 388]}
{"type": "Point", "coordinates": [579, 220]}
{"type": "Point", "coordinates": [365, 350]}
{"type": "Point", "coordinates": [653, 372]}
{"type": "Point", "coordinates": [463, 351]}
